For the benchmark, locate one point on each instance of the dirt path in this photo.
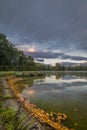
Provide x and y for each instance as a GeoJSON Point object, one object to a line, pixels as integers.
{"type": "Point", "coordinates": [8, 93]}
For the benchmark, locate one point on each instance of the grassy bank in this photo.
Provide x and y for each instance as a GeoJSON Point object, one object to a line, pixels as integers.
{"type": "Point", "coordinates": [13, 116]}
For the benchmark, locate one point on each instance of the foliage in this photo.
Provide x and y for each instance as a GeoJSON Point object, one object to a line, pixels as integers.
{"type": "Point", "coordinates": [10, 56]}
{"type": "Point", "coordinates": [7, 117]}
{"type": "Point", "coordinates": [13, 120]}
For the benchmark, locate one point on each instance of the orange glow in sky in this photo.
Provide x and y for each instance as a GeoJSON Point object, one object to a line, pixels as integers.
{"type": "Point", "coordinates": [31, 49]}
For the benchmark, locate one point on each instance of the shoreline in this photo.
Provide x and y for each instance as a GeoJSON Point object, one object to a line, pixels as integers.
{"type": "Point", "coordinates": [39, 114]}
{"type": "Point", "coordinates": [14, 104]}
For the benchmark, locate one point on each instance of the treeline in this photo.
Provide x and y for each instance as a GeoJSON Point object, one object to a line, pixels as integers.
{"type": "Point", "coordinates": [10, 57]}
{"type": "Point", "coordinates": [13, 59]}
{"type": "Point", "coordinates": [60, 67]}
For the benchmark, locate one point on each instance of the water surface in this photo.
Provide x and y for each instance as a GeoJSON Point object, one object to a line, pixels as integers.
{"type": "Point", "coordinates": [61, 93]}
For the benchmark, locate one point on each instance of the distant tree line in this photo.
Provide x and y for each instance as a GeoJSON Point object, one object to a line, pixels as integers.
{"type": "Point", "coordinates": [60, 67]}
{"type": "Point", "coordinates": [13, 59]}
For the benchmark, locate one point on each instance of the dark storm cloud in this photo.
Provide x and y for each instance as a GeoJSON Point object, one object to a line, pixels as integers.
{"type": "Point", "coordinates": [77, 58]}
{"type": "Point", "coordinates": [41, 54]}
{"type": "Point", "coordinates": [59, 23]}
{"type": "Point", "coordinates": [50, 55]}
{"type": "Point", "coordinates": [40, 60]}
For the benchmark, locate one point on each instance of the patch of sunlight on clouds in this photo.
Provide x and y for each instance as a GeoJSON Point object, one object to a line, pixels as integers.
{"type": "Point", "coordinates": [56, 60]}
{"type": "Point", "coordinates": [27, 48]}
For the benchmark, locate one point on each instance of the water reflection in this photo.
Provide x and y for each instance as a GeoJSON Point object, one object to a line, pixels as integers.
{"type": "Point", "coordinates": [39, 81]}
{"type": "Point", "coordinates": [30, 92]}
{"type": "Point", "coordinates": [51, 85]}
{"type": "Point", "coordinates": [61, 93]}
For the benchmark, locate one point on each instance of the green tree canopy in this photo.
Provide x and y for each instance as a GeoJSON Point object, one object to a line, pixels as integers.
{"type": "Point", "coordinates": [11, 56]}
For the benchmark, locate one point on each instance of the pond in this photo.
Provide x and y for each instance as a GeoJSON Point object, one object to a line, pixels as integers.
{"type": "Point", "coordinates": [65, 93]}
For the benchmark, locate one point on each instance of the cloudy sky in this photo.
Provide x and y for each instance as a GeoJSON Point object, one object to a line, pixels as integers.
{"type": "Point", "coordinates": [50, 30]}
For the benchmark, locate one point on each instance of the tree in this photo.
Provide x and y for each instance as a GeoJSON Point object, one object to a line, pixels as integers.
{"type": "Point", "coordinates": [11, 56]}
